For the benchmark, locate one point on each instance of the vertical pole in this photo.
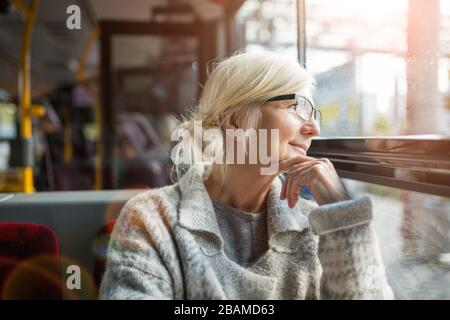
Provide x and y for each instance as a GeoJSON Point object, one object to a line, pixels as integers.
{"type": "Point", "coordinates": [301, 32]}
{"type": "Point", "coordinates": [106, 111]}
{"type": "Point", "coordinates": [423, 98]}
{"type": "Point", "coordinates": [68, 141]}
{"type": "Point", "coordinates": [423, 111]}
{"type": "Point", "coordinates": [25, 95]}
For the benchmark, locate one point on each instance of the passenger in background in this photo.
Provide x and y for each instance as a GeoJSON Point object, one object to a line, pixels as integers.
{"type": "Point", "coordinates": [142, 161]}
{"type": "Point", "coordinates": [55, 172]}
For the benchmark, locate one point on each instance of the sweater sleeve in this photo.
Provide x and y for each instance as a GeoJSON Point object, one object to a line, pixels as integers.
{"type": "Point", "coordinates": [135, 269]}
{"type": "Point", "coordinates": [349, 254]}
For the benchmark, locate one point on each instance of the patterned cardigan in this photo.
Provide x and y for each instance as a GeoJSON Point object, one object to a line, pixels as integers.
{"type": "Point", "coordinates": [166, 244]}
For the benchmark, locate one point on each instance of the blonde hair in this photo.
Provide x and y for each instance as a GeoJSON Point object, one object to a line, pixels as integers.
{"type": "Point", "coordinates": [238, 86]}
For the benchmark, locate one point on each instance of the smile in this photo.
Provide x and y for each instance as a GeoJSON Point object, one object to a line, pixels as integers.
{"type": "Point", "coordinates": [300, 147]}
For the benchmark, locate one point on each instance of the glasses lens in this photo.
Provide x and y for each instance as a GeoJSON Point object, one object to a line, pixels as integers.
{"type": "Point", "coordinates": [318, 117]}
{"type": "Point", "coordinates": [304, 108]}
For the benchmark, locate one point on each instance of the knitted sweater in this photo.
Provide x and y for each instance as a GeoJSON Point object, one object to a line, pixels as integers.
{"type": "Point", "coordinates": [166, 244]}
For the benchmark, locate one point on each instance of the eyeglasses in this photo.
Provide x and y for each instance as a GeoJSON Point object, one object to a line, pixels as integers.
{"type": "Point", "coordinates": [304, 108]}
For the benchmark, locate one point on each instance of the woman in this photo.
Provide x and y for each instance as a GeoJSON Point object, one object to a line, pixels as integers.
{"type": "Point", "coordinates": [227, 231]}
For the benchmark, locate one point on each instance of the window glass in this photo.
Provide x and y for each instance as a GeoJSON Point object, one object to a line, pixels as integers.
{"type": "Point", "coordinates": [413, 230]}
{"type": "Point", "coordinates": [269, 25]}
{"type": "Point", "coordinates": [372, 78]}
{"type": "Point", "coordinates": [155, 80]}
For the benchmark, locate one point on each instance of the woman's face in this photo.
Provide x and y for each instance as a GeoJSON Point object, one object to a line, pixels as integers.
{"type": "Point", "coordinates": [295, 134]}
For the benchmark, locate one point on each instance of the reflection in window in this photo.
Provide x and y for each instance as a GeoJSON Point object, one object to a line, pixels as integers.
{"type": "Point", "coordinates": [365, 63]}
{"type": "Point", "coordinates": [413, 230]}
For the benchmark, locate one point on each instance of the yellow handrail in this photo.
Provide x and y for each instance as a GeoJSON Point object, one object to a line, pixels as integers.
{"type": "Point", "coordinates": [27, 110]}
{"type": "Point", "coordinates": [93, 36]}
{"type": "Point", "coordinates": [68, 146]}
{"type": "Point", "coordinates": [23, 8]}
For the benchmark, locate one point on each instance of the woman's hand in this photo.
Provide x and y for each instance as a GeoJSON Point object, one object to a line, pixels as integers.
{"type": "Point", "coordinates": [318, 175]}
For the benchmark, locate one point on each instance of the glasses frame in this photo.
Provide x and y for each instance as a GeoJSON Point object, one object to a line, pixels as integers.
{"type": "Point", "coordinates": [315, 113]}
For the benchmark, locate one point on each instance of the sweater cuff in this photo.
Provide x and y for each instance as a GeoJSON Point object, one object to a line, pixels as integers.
{"type": "Point", "coordinates": [341, 215]}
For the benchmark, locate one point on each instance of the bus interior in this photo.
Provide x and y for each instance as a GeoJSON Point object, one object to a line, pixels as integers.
{"type": "Point", "coordinates": [91, 90]}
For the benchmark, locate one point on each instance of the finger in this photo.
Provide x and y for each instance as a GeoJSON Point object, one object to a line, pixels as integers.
{"type": "Point", "coordinates": [284, 165]}
{"type": "Point", "coordinates": [298, 180]}
{"type": "Point", "coordinates": [283, 190]}
{"type": "Point", "coordinates": [303, 177]}
{"type": "Point", "coordinates": [289, 191]}
{"type": "Point", "coordinates": [329, 166]}
{"type": "Point", "coordinates": [293, 192]}
{"type": "Point", "coordinates": [327, 162]}
{"type": "Point", "coordinates": [294, 200]}
{"type": "Point", "coordinates": [287, 186]}
{"type": "Point", "coordinates": [302, 166]}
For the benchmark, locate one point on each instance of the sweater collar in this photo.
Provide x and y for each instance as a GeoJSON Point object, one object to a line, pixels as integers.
{"type": "Point", "coordinates": [196, 208]}
{"type": "Point", "coordinates": [197, 213]}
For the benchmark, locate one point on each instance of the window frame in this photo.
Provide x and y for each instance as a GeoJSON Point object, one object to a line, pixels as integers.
{"type": "Point", "coordinates": [414, 163]}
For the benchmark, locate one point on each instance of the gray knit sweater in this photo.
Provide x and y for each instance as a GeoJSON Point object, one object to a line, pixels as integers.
{"type": "Point", "coordinates": [166, 244]}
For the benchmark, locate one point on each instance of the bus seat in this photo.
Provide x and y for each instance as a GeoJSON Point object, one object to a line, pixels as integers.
{"type": "Point", "coordinates": [29, 262]}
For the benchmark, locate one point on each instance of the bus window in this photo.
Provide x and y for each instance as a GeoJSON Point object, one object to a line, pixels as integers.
{"type": "Point", "coordinates": [7, 131]}
{"type": "Point", "coordinates": [413, 230]}
{"type": "Point", "coordinates": [381, 68]}
{"type": "Point", "coordinates": [154, 83]}
{"type": "Point", "coordinates": [268, 25]}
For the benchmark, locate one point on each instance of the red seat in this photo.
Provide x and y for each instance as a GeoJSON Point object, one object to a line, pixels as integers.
{"type": "Point", "coordinates": [29, 262]}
